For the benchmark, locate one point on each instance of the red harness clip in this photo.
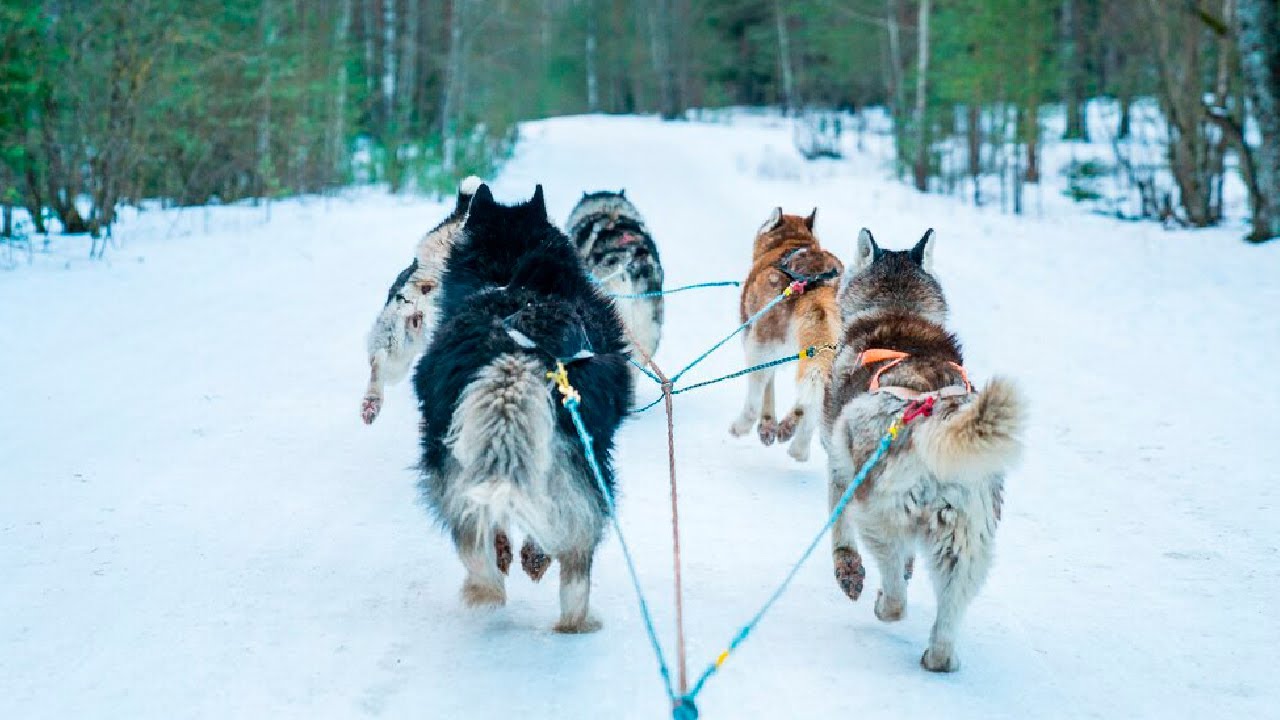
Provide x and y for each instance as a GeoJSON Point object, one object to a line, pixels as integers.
{"type": "Point", "coordinates": [796, 288]}
{"type": "Point", "coordinates": [918, 408]}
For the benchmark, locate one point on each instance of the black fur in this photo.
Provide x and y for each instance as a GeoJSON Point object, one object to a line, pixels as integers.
{"type": "Point", "coordinates": [511, 262]}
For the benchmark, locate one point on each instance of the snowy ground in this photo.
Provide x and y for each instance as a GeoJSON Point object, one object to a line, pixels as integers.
{"type": "Point", "coordinates": [194, 523]}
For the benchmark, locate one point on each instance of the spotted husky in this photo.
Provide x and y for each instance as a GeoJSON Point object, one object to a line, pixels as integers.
{"type": "Point", "coordinates": [403, 327]}
{"type": "Point", "coordinates": [617, 249]}
{"type": "Point", "coordinates": [939, 486]}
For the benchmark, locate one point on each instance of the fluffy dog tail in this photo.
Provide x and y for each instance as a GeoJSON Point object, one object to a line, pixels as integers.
{"type": "Point", "coordinates": [981, 439]}
{"type": "Point", "coordinates": [501, 435]}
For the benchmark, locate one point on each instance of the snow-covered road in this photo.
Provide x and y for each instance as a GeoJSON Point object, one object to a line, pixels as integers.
{"type": "Point", "coordinates": [195, 524]}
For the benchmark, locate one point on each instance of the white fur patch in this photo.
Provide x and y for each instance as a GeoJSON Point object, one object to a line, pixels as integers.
{"type": "Point", "coordinates": [470, 185]}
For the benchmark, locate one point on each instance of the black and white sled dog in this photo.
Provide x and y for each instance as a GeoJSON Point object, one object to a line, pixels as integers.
{"type": "Point", "coordinates": [619, 252]}
{"type": "Point", "coordinates": [499, 452]}
{"type": "Point", "coordinates": [403, 327]}
{"type": "Point", "coordinates": [940, 485]}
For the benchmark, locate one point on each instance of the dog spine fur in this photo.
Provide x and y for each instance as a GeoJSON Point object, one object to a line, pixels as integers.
{"type": "Point", "coordinates": [980, 439]}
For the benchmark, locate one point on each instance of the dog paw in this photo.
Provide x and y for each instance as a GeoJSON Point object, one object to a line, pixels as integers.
{"type": "Point", "coordinates": [787, 428]}
{"type": "Point", "coordinates": [768, 430]}
{"type": "Point", "coordinates": [502, 546]}
{"type": "Point", "coordinates": [741, 426]}
{"type": "Point", "coordinates": [850, 574]}
{"type": "Point", "coordinates": [939, 661]}
{"type": "Point", "coordinates": [798, 451]}
{"type": "Point", "coordinates": [370, 408]}
{"type": "Point", "coordinates": [534, 561]}
{"type": "Point", "coordinates": [477, 595]}
{"type": "Point", "coordinates": [578, 626]}
{"type": "Point", "coordinates": [889, 610]}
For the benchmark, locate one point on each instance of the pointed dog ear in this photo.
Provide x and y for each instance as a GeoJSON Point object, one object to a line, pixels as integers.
{"type": "Point", "coordinates": [538, 202]}
{"type": "Point", "coordinates": [867, 251]}
{"type": "Point", "coordinates": [481, 203]}
{"type": "Point", "coordinates": [622, 193]}
{"type": "Point", "coordinates": [922, 253]}
{"type": "Point", "coordinates": [775, 219]}
{"type": "Point", "coordinates": [809, 221]}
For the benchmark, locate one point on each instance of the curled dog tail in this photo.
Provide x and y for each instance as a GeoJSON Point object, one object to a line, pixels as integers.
{"type": "Point", "coordinates": [501, 435]}
{"type": "Point", "coordinates": [981, 439]}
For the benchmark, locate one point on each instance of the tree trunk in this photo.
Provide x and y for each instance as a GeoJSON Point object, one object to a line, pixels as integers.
{"type": "Point", "coordinates": [660, 54]}
{"type": "Point", "coordinates": [1258, 37]}
{"type": "Point", "coordinates": [973, 131]}
{"type": "Point", "coordinates": [1071, 91]}
{"type": "Point", "coordinates": [784, 59]}
{"type": "Point", "coordinates": [338, 116]}
{"type": "Point", "coordinates": [266, 167]}
{"type": "Point", "coordinates": [453, 68]}
{"type": "Point", "coordinates": [922, 123]}
{"type": "Point", "coordinates": [593, 82]}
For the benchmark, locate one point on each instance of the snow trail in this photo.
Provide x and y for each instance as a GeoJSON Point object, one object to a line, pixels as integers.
{"type": "Point", "coordinates": [195, 524]}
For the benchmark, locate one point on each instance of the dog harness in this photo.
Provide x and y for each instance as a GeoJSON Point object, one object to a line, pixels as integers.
{"type": "Point", "coordinates": [804, 280]}
{"type": "Point", "coordinates": [894, 357]}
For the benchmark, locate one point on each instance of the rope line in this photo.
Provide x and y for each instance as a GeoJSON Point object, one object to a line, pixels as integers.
{"type": "Point", "coordinates": [656, 293]}
{"type": "Point", "coordinates": [687, 701]}
{"type": "Point", "coordinates": [808, 352]}
{"type": "Point", "coordinates": [792, 289]}
{"type": "Point", "coordinates": [571, 400]}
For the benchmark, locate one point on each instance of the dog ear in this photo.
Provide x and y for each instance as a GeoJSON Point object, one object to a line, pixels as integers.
{"type": "Point", "coordinates": [622, 193]}
{"type": "Point", "coordinates": [481, 203]}
{"type": "Point", "coordinates": [538, 203]}
{"type": "Point", "coordinates": [922, 253]}
{"type": "Point", "coordinates": [866, 252]}
{"type": "Point", "coordinates": [809, 221]}
{"type": "Point", "coordinates": [775, 219]}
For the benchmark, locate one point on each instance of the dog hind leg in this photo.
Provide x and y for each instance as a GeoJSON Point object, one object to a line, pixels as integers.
{"type": "Point", "coordinates": [477, 548]}
{"type": "Point", "coordinates": [575, 593]}
{"type": "Point", "coordinates": [850, 574]}
{"type": "Point", "coordinates": [892, 555]}
{"type": "Point", "coordinates": [758, 385]}
{"type": "Point", "coordinates": [960, 552]}
{"type": "Point", "coordinates": [372, 403]}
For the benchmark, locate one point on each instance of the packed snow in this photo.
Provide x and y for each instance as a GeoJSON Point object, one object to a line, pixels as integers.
{"type": "Point", "coordinates": [194, 523]}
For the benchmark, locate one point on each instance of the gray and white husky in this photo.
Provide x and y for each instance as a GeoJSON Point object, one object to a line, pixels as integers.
{"type": "Point", "coordinates": [939, 486]}
{"type": "Point", "coordinates": [618, 251]}
{"type": "Point", "coordinates": [403, 327]}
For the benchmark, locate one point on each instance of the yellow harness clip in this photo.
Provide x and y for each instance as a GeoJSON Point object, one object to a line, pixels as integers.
{"type": "Point", "coordinates": [561, 377]}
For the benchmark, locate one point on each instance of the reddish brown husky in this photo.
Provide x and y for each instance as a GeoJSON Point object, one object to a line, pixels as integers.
{"type": "Point", "coordinates": [787, 254]}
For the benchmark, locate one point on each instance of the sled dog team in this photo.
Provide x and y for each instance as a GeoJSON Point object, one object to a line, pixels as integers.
{"type": "Point", "coordinates": [496, 297]}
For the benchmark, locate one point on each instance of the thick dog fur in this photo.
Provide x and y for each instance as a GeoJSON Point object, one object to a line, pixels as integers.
{"type": "Point", "coordinates": [617, 249]}
{"type": "Point", "coordinates": [939, 487]}
{"type": "Point", "coordinates": [808, 320]}
{"type": "Point", "coordinates": [403, 327]}
{"type": "Point", "coordinates": [499, 453]}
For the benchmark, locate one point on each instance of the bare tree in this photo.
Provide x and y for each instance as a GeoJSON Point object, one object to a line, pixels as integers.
{"type": "Point", "coordinates": [784, 58]}
{"type": "Point", "coordinates": [1258, 25]}
{"type": "Point", "coordinates": [592, 63]}
{"type": "Point", "coordinates": [452, 85]}
{"type": "Point", "coordinates": [922, 99]}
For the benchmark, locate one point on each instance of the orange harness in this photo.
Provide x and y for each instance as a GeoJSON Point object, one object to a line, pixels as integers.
{"type": "Point", "coordinates": [876, 355]}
